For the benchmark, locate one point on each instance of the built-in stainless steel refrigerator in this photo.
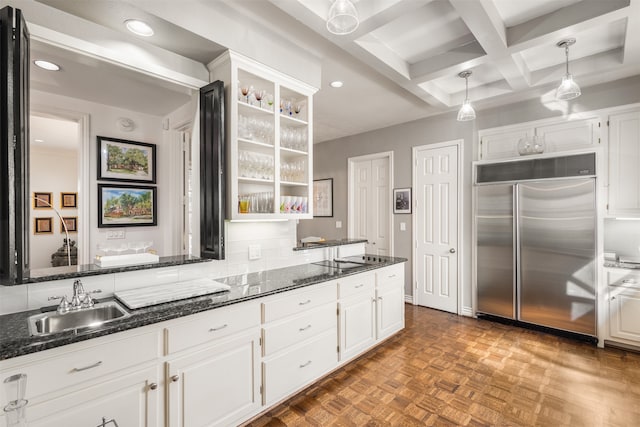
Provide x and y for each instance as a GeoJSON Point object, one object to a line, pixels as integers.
{"type": "Point", "coordinates": [536, 242]}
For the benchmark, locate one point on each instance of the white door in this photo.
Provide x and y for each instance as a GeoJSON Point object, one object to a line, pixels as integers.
{"type": "Point", "coordinates": [371, 203]}
{"type": "Point", "coordinates": [436, 225]}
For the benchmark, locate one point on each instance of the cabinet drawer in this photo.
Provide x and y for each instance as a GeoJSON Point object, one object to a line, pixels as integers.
{"type": "Point", "coordinates": [292, 370]}
{"type": "Point", "coordinates": [351, 285]}
{"type": "Point", "coordinates": [297, 302]}
{"type": "Point", "coordinates": [392, 275]}
{"type": "Point", "coordinates": [289, 332]}
{"type": "Point", "coordinates": [82, 363]}
{"type": "Point", "coordinates": [621, 277]}
{"type": "Point", "coordinates": [211, 325]}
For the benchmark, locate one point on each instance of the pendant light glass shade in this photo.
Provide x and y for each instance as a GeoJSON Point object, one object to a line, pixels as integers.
{"type": "Point", "coordinates": [568, 88]}
{"type": "Point", "coordinates": [466, 112]}
{"type": "Point", "coordinates": [342, 18]}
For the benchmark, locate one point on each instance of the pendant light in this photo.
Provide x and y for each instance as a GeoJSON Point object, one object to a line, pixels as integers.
{"type": "Point", "coordinates": [342, 18]}
{"type": "Point", "coordinates": [466, 111]}
{"type": "Point", "coordinates": [568, 89]}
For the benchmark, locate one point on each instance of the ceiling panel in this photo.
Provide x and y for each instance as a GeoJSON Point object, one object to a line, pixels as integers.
{"type": "Point", "coordinates": [482, 75]}
{"type": "Point", "coordinates": [430, 30]}
{"type": "Point", "coordinates": [591, 42]}
{"type": "Point", "coordinates": [515, 12]}
{"type": "Point", "coordinates": [52, 133]}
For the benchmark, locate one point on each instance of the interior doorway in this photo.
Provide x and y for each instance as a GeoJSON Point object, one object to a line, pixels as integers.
{"type": "Point", "coordinates": [57, 166]}
{"type": "Point", "coordinates": [370, 201]}
{"type": "Point", "coordinates": [437, 177]}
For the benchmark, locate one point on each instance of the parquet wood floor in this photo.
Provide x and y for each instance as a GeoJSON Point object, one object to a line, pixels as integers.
{"type": "Point", "coordinates": [445, 370]}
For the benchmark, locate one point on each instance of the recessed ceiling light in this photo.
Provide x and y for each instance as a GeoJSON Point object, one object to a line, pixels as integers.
{"type": "Point", "coordinates": [46, 65]}
{"type": "Point", "coordinates": [138, 27]}
{"type": "Point", "coordinates": [336, 83]}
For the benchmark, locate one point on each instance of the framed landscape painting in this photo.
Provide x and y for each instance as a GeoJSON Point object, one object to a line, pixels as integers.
{"type": "Point", "coordinates": [126, 206]}
{"type": "Point", "coordinates": [122, 160]}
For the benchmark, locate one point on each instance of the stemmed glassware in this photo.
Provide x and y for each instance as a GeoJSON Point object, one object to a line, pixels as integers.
{"type": "Point", "coordinates": [246, 90]}
{"type": "Point", "coordinates": [259, 94]}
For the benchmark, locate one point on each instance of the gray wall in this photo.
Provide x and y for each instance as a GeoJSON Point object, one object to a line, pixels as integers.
{"type": "Point", "coordinates": [330, 159]}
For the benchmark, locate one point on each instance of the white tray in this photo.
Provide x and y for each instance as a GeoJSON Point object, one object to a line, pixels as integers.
{"type": "Point", "coordinates": [158, 294]}
{"type": "Point", "coordinates": [124, 260]}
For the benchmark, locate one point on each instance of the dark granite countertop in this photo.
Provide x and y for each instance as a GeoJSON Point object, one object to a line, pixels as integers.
{"type": "Point", "coordinates": [625, 265]}
{"type": "Point", "coordinates": [70, 272]}
{"type": "Point", "coordinates": [15, 339]}
{"type": "Point", "coordinates": [327, 243]}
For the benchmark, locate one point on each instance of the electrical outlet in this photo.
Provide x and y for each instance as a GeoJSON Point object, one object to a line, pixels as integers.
{"type": "Point", "coordinates": [116, 234]}
{"type": "Point", "coordinates": [338, 224]}
{"type": "Point", "coordinates": [254, 252]}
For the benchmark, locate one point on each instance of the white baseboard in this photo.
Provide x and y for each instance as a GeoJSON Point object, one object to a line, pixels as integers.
{"type": "Point", "coordinates": [408, 299]}
{"type": "Point", "coordinates": [467, 311]}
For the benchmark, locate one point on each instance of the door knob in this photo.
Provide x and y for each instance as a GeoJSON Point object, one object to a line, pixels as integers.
{"type": "Point", "coordinates": [452, 250]}
{"type": "Point", "coordinates": [153, 386]}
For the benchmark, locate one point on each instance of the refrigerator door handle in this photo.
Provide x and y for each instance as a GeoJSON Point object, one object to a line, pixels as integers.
{"type": "Point", "coordinates": [516, 246]}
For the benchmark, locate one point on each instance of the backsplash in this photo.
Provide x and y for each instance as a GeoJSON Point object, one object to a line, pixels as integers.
{"type": "Point", "coordinates": [622, 237]}
{"type": "Point", "coordinates": [275, 239]}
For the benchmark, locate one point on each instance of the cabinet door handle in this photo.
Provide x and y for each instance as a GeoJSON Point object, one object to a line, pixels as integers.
{"type": "Point", "coordinates": [612, 298]}
{"type": "Point", "coordinates": [175, 378]}
{"type": "Point", "coordinates": [305, 328]}
{"type": "Point", "coordinates": [629, 281]}
{"type": "Point", "coordinates": [305, 302]}
{"type": "Point", "coordinates": [304, 365]}
{"type": "Point", "coordinates": [392, 276]}
{"type": "Point", "coordinates": [359, 286]}
{"type": "Point", "coordinates": [380, 298]}
{"type": "Point", "coordinates": [95, 365]}
{"type": "Point", "coordinates": [218, 328]}
{"type": "Point", "coordinates": [153, 386]}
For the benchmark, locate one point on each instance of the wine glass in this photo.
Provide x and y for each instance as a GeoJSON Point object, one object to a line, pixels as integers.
{"type": "Point", "coordinates": [259, 94]}
{"type": "Point", "coordinates": [270, 101]}
{"type": "Point", "coordinates": [136, 246]}
{"type": "Point", "coordinates": [146, 245]}
{"type": "Point", "coordinates": [298, 107]}
{"type": "Point", "coordinates": [246, 90]}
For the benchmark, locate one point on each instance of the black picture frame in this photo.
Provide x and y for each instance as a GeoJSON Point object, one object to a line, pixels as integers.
{"type": "Point", "coordinates": [43, 225]}
{"type": "Point", "coordinates": [113, 213]}
{"type": "Point", "coordinates": [402, 200]}
{"type": "Point", "coordinates": [323, 198]}
{"type": "Point", "coordinates": [139, 167]}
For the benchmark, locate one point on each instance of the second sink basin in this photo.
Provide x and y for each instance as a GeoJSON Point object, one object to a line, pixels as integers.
{"type": "Point", "coordinates": [52, 322]}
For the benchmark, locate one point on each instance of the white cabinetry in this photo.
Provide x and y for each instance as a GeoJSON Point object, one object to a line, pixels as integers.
{"type": "Point", "coordinates": [357, 314]}
{"type": "Point", "coordinates": [389, 300]}
{"type": "Point", "coordinates": [268, 120]}
{"type": "Point", "coordinates": [216, 381]}
{"type": "Point", "coordinates": [83, 382]}
{"type": "Point", "coordinates": [624, 158]}
{"type": "Point", "coordinates": [502, 143]}
{"type": "Point", "coordinates": [624, 305]}
{"type": "Point", "coordinates": [299, 340]}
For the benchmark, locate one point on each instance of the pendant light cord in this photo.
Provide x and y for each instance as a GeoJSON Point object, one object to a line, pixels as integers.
{"type": "Point", "coordinates": [566, 53]}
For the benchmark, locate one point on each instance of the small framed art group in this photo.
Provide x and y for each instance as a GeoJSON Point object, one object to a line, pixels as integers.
{"type": "Point", "coordinates": [126, 204]}
{"type": "Point", "coordinates": [43, 201]}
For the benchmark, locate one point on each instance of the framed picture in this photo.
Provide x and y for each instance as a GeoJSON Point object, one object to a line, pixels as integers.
{"type": "Point", "coordinates": [126, 206]}
{"type": "Point", "coordinates": [323, 197]}
{"type": "Point", "coordinates": [68, 200]}
{"type": "Point", "coordinates": [402, 200]}
{"type": "Point", "coordinates": [71, 222]}
{"type": "Point", "coordinates": [42, 200]}
{"type": "Point", "coordinates": [122, 160]}
{"type": "Point", "coordinates": [43, 225]}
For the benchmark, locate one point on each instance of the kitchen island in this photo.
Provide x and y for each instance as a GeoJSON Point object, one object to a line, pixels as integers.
{"type": "Point", "coordinates": [273, 333]}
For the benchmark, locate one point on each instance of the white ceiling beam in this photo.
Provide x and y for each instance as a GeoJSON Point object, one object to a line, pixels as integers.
{"type": "Point", "coordinates": [448, 63]}
{"type": "Point", "coordinates": [437, 95]}
{"type": "Point", "coordinates": [565, 22]}
{"type": "Point", "coordinates": [632, 40]}
{"type": "Point", "coordinates": [385, 55]}
{"type": "Point", "coordinates": [483, 19]}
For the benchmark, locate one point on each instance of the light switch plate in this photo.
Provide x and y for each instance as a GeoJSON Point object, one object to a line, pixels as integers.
{"type": "Point", "coordinates": [338, 224]}
{"type": "Point", "coordinates": [116, 234]}
{"type": "Point", "coordinates": [403, 226]}
{"type": "Point", "coordinates": [254, 252]}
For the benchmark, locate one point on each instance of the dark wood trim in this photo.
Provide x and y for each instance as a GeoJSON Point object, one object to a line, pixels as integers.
{"type": "Point", "coordinates": [212, 171]}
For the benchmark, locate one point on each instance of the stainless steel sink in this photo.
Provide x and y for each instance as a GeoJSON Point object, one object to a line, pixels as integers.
{"type": "Point", "coordinates": [52, 322]}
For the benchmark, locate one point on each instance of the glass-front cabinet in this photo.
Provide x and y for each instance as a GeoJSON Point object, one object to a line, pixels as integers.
{"type": "Point", "coordinates": [269, 140]}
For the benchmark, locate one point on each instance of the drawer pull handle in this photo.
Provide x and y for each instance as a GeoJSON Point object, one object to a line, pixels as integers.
{"type": "Point", "coordinates": [95, 365]}
{"type": "Point", "coordinates": [305, 328]}
{"type": "Point", "coordinates": [392, 276]}
{"type": "Point", "coordinates": [218, 328]}
{"type": "Point", "coordinates": [175, 378]}
{"type": "Point", "coordinates": [305, 302]}
{"type": "Point", "coordinates": [304, 365]}
{"type": "Point", "coordinates": [629, 281]}
{"type": "Point", "coordinates": [360, 285]}
{"type": "Point", "coordinates": [153, 386]}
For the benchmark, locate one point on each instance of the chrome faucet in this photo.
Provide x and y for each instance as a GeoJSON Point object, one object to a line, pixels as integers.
{"type": "Point", "coordinates": [81, 299]}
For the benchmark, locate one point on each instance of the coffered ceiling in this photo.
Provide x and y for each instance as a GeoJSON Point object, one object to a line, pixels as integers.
{"type": "Point", "coordinates": [402, 62]}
